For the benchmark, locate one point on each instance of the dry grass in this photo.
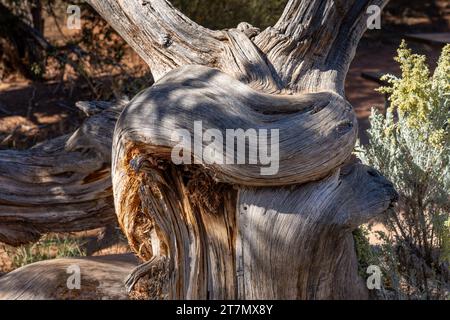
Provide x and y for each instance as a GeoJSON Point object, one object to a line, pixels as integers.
{"type": "Point", "coordinates": [63, 245]}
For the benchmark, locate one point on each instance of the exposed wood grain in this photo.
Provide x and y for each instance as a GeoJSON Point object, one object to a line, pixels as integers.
{"type": "Point", "coordinates": [101, 278]}
{"type": "Point", "coordinates": [310, 227]}
{"type": "Point", "coordinates": [309, 49]}
{"type": "Point", "coordinates": [195, 93]}
{"type": "Point", "coordinates": [167, 39]}
{"type": "Point", "coordinates": [184, 226]}
{"type": "Point", "coordinates": [203, 238]}
{"type": "Point", "coordinates": [313, 43]}
{"type": "Point", "coordinates": [60, 185]}
{"type": "Point", "coordinates": [219, 242]}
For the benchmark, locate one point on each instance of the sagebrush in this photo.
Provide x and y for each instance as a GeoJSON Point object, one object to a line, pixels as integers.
{"type": "Point", "coordinates": [410, 145]}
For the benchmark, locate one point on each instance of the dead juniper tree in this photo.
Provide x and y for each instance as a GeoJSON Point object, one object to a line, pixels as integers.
{"type": "Point", "coordinates": [224, 231]}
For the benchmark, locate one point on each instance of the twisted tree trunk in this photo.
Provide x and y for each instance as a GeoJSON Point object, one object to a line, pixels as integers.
{"type": "Point", "coordinates": [225, 231]}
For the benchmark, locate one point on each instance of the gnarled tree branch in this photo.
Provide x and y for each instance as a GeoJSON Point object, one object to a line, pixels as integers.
{"type": "Point", "coordinates": [313, 43]}
{"type": "Point", "coordinates": [194, 93]}
{"type": "Point", "coordinates": [160, 34]}
{"type": "Point", "coordinates": [60, 185]}
{"type": "Point", "coordinates": [308, 50]}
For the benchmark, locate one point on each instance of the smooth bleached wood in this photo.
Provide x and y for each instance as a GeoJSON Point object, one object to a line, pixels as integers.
{"type": "Point", "coordinates": [310, 226]}
{"type": "Point", "coordinates": [101, 278]}
{"type": "Point", "coordinates": [217, 231]}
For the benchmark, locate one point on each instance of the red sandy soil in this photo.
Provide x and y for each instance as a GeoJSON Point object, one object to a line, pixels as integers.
{"type": "Point", "coordinates": [49, 113]}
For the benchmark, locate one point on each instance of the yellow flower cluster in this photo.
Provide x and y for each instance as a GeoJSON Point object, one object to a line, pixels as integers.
{"type": "Point", "coordinates": [437, 138]}
{"type": "Point", "coordinates": [417, 95]}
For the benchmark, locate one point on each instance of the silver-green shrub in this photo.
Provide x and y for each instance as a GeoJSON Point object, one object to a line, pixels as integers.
{"type": "Point", "coordinates": [410, 145]}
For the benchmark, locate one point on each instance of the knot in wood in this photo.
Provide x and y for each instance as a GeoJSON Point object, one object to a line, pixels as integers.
{"type": "Point", "coordinates": [249, 30]}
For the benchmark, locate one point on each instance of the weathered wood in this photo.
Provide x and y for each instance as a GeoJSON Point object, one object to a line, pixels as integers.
{"type": "Point", "coordinates": [194, 93]}
{"type": "Point", "coordinates": [100, 278]}
{"type": "Point", "coordinates": [305, 233]}
{"type": "Point", "coordinates": [309, 49]}
{"type": "Point", "coordinates": [183, 219]}
{"type": "Point", "coordinates": [217, 231]}
{"type": "Point", "coordinates": [167, 39]}
{"type": "Point", "coordinates": [313, 43]}
{"type": "Point", "coordinates": [60, 185]}
{"type": "Point", "coordinates": [280, 243]}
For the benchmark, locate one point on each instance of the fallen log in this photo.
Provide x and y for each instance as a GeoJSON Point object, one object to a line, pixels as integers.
{"type": "Point", "coordinates": [100, 278]}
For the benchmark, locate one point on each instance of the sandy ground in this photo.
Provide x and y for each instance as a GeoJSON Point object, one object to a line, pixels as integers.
{"type": "Point", "coordinates": [95, 242]}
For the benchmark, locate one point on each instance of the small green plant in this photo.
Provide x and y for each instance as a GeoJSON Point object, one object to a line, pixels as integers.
{"type": "Point", "coordinates": [366, 255]}
{"type": "Point", "coordinates": [411, 147]}
{"type": "Point", "coordinates": [49, 247]}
